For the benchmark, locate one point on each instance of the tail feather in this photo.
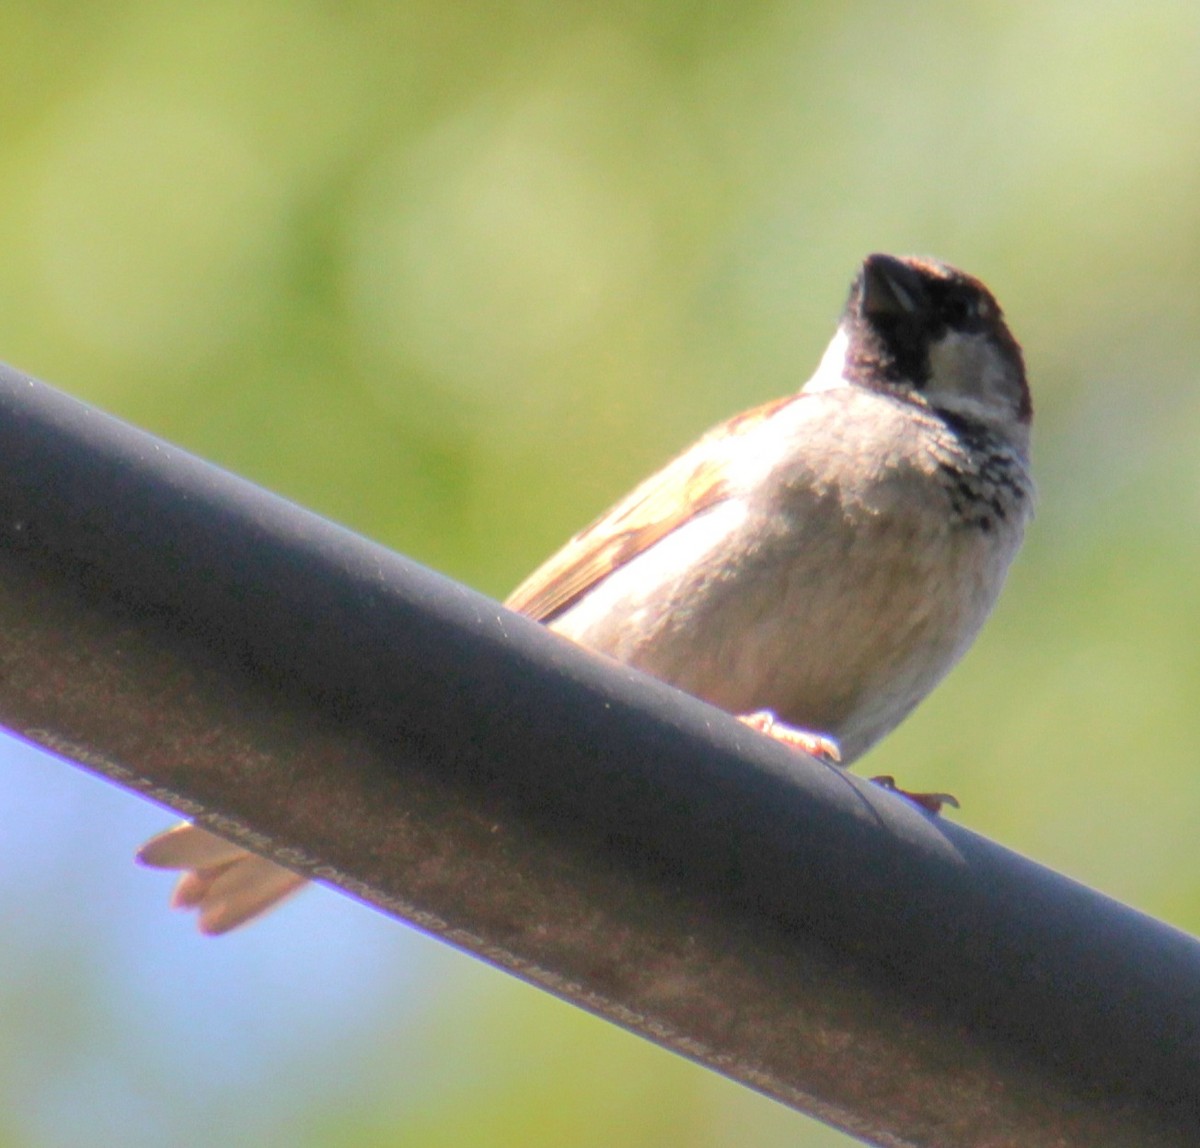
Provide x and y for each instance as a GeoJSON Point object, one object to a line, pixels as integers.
{"type": "Point", "coordinates": [187, 846]}
{"type": "Point", "coordinates": [227, 884]}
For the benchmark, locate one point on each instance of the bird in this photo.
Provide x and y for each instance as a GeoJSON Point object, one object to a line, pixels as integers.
{"type": "Point", "coordinates": [814, 565]}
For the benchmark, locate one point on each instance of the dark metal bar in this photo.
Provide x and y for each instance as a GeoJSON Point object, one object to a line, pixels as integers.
{"type": "Point", "coordinates": [593, 831]}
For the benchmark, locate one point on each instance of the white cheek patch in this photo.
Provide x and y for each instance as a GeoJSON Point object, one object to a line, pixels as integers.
{"type": "Point", "coordinates": [955, 363]}
{"type": "Point", "coordinates": [967, 374]}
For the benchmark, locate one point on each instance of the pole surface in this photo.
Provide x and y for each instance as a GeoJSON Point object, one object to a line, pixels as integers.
{"type": "Point", "coordinates": [595, 832]}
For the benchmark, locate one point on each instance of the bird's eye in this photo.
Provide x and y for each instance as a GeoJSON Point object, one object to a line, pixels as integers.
{"type": "Point", "coordinates": [959, 310]}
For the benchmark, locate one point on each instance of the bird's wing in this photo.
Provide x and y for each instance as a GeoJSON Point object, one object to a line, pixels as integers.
{"type": "Point", "coordinates": [695, 481]}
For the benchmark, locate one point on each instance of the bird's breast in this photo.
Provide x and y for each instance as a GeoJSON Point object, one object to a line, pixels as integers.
{"type": "Point", "coordinates": [836, 590]}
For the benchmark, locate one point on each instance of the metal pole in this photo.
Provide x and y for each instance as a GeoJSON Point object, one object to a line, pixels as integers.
{"type": "Point", "coordinates": [593, 831]}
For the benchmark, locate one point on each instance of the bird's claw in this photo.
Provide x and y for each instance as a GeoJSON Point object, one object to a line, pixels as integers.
{"type": "Point", "coordinates": [930, 802]}
{"type": "Point", "coordinates": [814, 744]}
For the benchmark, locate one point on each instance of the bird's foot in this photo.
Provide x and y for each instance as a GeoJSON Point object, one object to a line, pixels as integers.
{"type": "Point", "coordinates": [931, 802]}
{"type": "Point", "coordinates": [814, 744]}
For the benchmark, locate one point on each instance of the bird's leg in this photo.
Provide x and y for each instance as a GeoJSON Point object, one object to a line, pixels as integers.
{"type": "Point", "coordinates": [826, 749]}
{"type": "Point", "coordinates": [932, 802]}
{"type": "Point", "coordinates": [814, 744]}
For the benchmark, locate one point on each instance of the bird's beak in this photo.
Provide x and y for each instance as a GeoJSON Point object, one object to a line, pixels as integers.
{"type": "Point", "coordinates": [891, 287]}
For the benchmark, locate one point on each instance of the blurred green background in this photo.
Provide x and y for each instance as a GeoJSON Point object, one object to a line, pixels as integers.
{"type": "Point", "coordinates": [456, 275]}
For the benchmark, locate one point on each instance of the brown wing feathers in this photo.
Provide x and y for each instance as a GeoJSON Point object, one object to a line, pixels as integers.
{"type": "Point", "coordinates": [665, 501]}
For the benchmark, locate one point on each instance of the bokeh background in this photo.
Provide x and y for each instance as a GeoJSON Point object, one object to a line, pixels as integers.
{"type": "Point", "coordinates": [456, 275]}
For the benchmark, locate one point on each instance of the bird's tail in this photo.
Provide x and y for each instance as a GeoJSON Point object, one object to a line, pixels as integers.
{"type": "Point", "coordinates": [227, 884]}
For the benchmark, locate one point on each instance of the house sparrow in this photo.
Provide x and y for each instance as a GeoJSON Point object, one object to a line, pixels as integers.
{"type": "Point", "coordinates": [814, 565]}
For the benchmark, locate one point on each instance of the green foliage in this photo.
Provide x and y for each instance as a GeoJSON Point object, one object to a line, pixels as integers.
{"type": "Point", "coordinates": [457, 275]}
